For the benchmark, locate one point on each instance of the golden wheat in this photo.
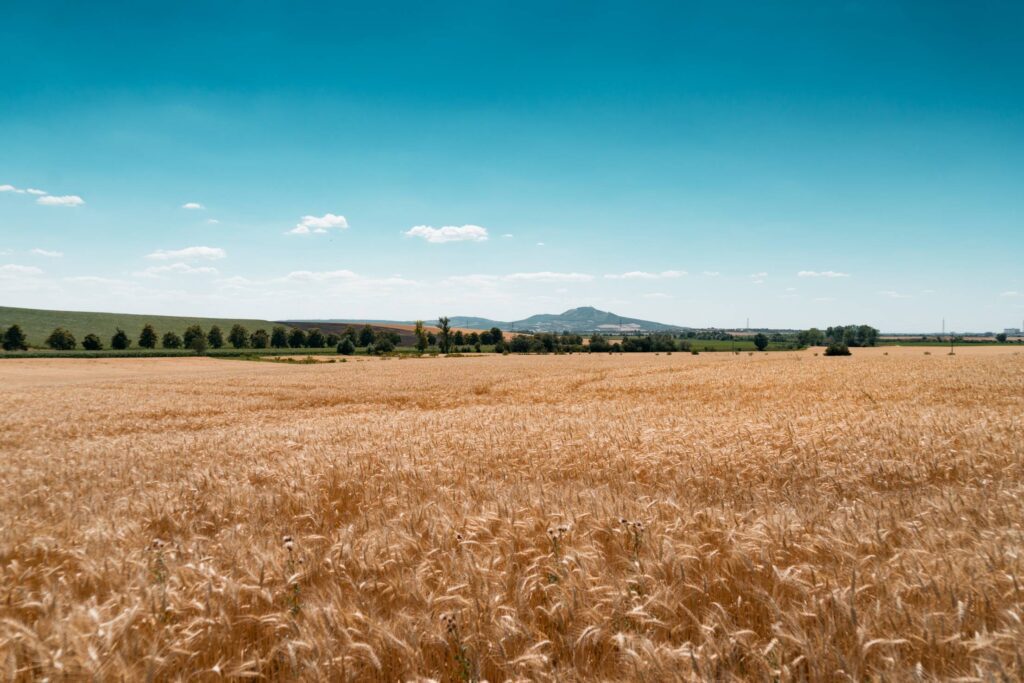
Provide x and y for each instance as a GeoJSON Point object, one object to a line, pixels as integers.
{"type": "Point", "coordinates": [656, 517]}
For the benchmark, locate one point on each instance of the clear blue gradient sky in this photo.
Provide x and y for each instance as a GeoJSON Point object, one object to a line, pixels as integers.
{"type": "Point", "coordinates": [797, 163]}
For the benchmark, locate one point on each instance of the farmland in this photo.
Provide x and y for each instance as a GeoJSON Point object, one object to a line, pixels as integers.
{"type": "Point", "coordinates": [614, 517]}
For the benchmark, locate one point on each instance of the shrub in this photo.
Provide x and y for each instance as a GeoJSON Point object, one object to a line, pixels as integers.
{"type": "Point", "coordinates": [171, 341]}
{"type": "Point", "coordinates": [61, 340]}
{"type": "Point", "coordinates": [385, 345]}
{"type": "Point", "coordinates": [199, 344]}
{"type": "Point", "coordinates": [91, 342]}
{"type": "Point", "coordinates": [14, 339]}
{"type": "Point", "coordinates": [370, 350]}
{"type": "Point", "coordinates": [147, 338]}
{"type": "Point", "coordinates": [837, 349]}
{"type": "Point", "coordinates": [120, 340]}
{"type": "Point", "coordinates": [346, 347]}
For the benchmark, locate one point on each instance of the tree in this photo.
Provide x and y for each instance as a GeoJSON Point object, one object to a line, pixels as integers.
{"type": "Point", "coordinates": [497, 335]}
{"type": "Point", "coordinates": [171, 340]}
{"type": "Point", "coordinates": [760, 341]}
{"type": "Point", "coordinates": [279, 337]}
{"type": "Point", "coordinates": [215, 337]}
{"type": "Point", "coordinates": [92, 343]}
{"type": "Point", "coordinates": [315, 339]}
{"type": "Point", "coordinates": [238, 336]}
{"type": "Point", "coordinates": [421, 337]}
{"type": "Point", "coordinates": [147, 338]}
{"type": "Point", "coordinates": [598, 343]}
{"type": "Point", "coordinates": [520, 344]}
{"type": "Point", "coordinates": [431, 339]}
{"type": "Point", "coordinates": [61, 340]}
{"type": "Point", "coordinates": [486, 338]}
{"type": "Point", "coordinates": [458, 338]}
{"type": "Point", "coordinates": [346, 347]}
{"type": "Point", "coordinates": [259, 339]}
{"type": "Point", "coordinates": [332, 339]}
{"type": "Point", "coordinates": [384, 345]}
{"type": "Point", "coordinates": [1001, 337]}
{"type": "Point", "coordinates": [444, 339]}
{"type": "Point", "coordinates": [120, 340]}
{"type": "Point", "coordinates": [199, 345]}
{"type": "Point", "coordinates": [189, 339]}
{"type": "Point", "coordinates": [296, 338]}
{"type": "Point", "coordinates": [14, 339]}
{"type": "Point", "coordinates": [366, 336]}
{"type": "Point", "coordinates": [351, 333]}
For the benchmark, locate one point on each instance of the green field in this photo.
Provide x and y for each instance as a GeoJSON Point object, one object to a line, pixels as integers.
{"type": "Point", "coordinates": [38, 324]}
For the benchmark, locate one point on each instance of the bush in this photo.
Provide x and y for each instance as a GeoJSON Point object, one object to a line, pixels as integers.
{"type": "Point", "coordinates": [837, 349]}
{"type": "Point", "coordinates": [199, 344]}
{"type": "Point", "coordinates": [370, 350]}
{"type": "Point", "coordinates": [14, 339]}
{"type": "Point", "coordinates": [147, 338]}
{"type": "Point", "coordinates": [120, 340]}
{"type": "Point", "coordinates": [171, 341]}
{"type": "Point", "coordinates": [61, 340]}
{"type": "Point", "coordinates": [385, 345]}
{"type": "Point", "coordinates": [346, 347]}
{"type": "Point", "coordinates": [92, 343]}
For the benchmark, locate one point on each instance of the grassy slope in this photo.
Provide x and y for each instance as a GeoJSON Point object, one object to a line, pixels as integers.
{"type": "Point", "coordinates": [38, 323]}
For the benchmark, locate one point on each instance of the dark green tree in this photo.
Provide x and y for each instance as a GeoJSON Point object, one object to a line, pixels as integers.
{"type": "Point", "coordinates": [366, 336]}
{"type": "Point", "coordinates": [15, 339]}
{"type": "Point", "coordinates": [189, 338]}
{"type": "Point", "coordinates": [147, 338]}
{"type": "Point", "coordinates": [332, 339]}
{"type": "Point", "coordinates": [760, 341]}
{"type": "Point", "coordinates": [1001, 337]}
{"type": "Point", "coordinates": [259, 339]}
{"type": "Point", "coordinates": [346, 347]}
{"type": "Point", "coordinates": [215, 337]}
{"type": "Point", "coordinates": [171, 340]}
{"type": "Point", "coordinates": [384, 345]}
{"type": "Point", "coordinates": [61, 340]}
{"type": "Point", "coordinates": [120, 340]}
{"type": "Point", "coordinates": [296, 338]}
{"type": "Point", "coordinates": [421, 337]}
{"type": "Point", "coordinates": [315, 339]}
{"type": "Point", "coordinates": [92, 343]}
{"type": "Point", "coordinates": [444, 338]}
{"type": "Point", "coordinates": [279, 337]}
{"type": "Point", "coordinates": [238, 336]}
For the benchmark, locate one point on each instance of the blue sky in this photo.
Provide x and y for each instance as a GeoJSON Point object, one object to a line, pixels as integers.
{"type": "Point", "coordinates": [795, 163]}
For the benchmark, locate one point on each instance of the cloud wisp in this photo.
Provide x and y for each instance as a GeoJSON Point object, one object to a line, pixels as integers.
{"type": "Point", "coordinates": [821, 273]}
{"type": "Point", "coordinates": [644, 275]}
{"type": "Point", "coordinates": [176, 269]}
{"type": "Point", "coordinates": [310, 225]}
{"type": "Point", "coordinates": [188, 253]}
{"type": "Point", "coordinates": [448, 233]}
{"type": "Point", "coordinates": [47, 253]}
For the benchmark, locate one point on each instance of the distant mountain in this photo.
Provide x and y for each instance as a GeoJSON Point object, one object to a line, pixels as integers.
{"type": "Point", "coordinates": [583, 319]}
{"type": "Point", "coordinates": [579, 320]}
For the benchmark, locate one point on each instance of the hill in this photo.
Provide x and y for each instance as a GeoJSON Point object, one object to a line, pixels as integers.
{"type": "Point", "coordinates": [582, 319]}
{"type": "Point", "coordinates": [38, 323]}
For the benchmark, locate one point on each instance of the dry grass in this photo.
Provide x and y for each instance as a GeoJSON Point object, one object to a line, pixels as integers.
{"type": "Point", "coordinates": [548, 518]}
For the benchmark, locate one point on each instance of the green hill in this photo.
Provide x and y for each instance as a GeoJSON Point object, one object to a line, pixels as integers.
{"type": "Point", "coordinates": [38, 323]}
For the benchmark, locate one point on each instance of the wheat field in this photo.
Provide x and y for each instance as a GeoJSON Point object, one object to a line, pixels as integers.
{"type": "Point", "coordinates": [648, 517]}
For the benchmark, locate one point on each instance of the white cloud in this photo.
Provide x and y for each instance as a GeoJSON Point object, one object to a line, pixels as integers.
{"type": "Point", "coordinates": [321, 276]}
{"type": "Point", "coordinates": [712, 273]}
{"type": "Point", "coordinates": [176, 269]}
{"type": "Point", "coordinates": [449, 233]}
{"type": "Point", "coordinates": [211, 253]}
{"type": "Point", "coordinates": [540, 244]}
{"type": "Point", "coordinates": [318, 224]}
{"type": "Point", "coordinates": [642, 275]}
{"type": "Point", "coordinates": [508, 235]}
{"type": "Point", "coordinates": [94, 280]}
{"type": "Point", "coordinates": [14, 270]}
{"type": "Point", "coordinates": [66, 200]}
{"type": "Point", "coordinates": [10, 188]}
{"type": "Point", "coordinates": [1011, 294]}
{"type": "Point", "coordinates": [548, 276]}
{"type": "Point", "coordinates": [34, 191]}
{"type": "Point", "coordinates": [758, 275]}
{"type": "Point", "coordinates": [47, 253]}
{"type": "Point", "coordinates": [821, 273]}
{"type": "Point", "coordinates": [894, 294]}
{"type": "Point", "coordinates": [212, 221]}
{"type": "Point", "coordinates": [192, 205]}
